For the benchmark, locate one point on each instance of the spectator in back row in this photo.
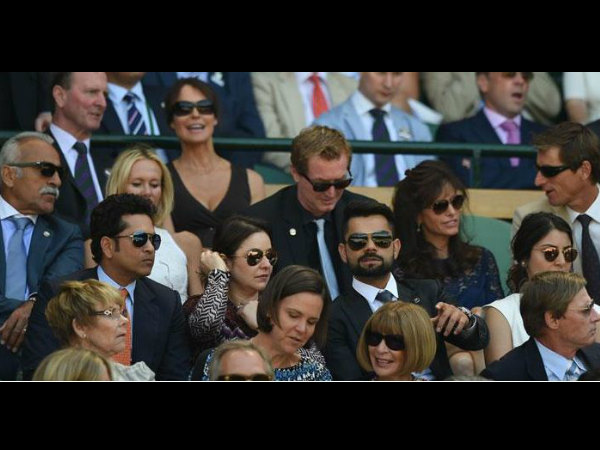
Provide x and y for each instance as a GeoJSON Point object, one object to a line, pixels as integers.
{"type": "Point", "coordinates": [25, 101]}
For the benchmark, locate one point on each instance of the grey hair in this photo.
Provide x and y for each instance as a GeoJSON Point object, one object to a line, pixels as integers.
{"type": "Point", "coordinates": [11, 150]}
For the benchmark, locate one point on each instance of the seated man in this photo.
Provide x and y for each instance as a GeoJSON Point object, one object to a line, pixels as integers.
{"type": "Point", "coordinates": [561, 320]}
{"type": "Point", "coordinates": [123, 245]}
{"type": "Point", "coordinates": [240, 360]}
{"type": "Point", "coordinates": [369, 249]}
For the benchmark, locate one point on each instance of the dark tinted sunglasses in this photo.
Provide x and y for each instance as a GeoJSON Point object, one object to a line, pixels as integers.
{"type": "Point", "coordinates": [237, 377]}
{"type": "Point", "coordinates": [358, 241]}
{"type": "Point", "coordinates": [322, 186]}
{"type": "Point", "coordinates": [393, 341]}
{"type": "Point", "coordinates": [551, 171]}
{"type": "Point", "coordinates": [185, 108]}
{"type": "Point", "coordinates": [551, 253]}
{"type": "Point", "coordinates": [139, 239]}
{"type": "Point", "coordinates": [528, 76]}
{"type": "Point", "coordinates": [46, 169]}
{"type": "Point", "coordinates": [255, 256]}
{"type": "Point", "coordinates": [441, 206]}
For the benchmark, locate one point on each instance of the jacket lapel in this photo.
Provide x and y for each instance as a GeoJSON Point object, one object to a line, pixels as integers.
{"type": "Point", "coordinates": [534, 362]}
{"type": "Point", "coordinates": [40, 240]}
{"type": "Point", "coordinates": [353, 127]}
{"type": "Point", "coordinates": [293, 100]}
{"type": "Point", "coordinates": [145, 322]}
{"type": "Point", "coordinates": [292, 227]}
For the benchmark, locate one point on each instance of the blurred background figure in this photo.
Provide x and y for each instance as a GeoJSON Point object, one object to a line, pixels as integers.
{"type": "Point", "coordinates": [240, 361]}
{"type": "Point", "coordinates": [25, 101]}
{"type": "Point", "coordinates": [582, 96]}
{"type": "Point", "coordinates": [398, 341]}
{"type": "Point", "coordinates": [74, 364]}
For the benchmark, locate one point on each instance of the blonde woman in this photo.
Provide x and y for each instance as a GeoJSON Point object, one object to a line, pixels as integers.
{"type": "Point", "coordinates": [74, 364]}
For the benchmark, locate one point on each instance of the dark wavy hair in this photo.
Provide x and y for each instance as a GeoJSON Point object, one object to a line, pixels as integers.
{"type": "Point", "coordinates": [236, 229]}
{"type": "Point", "coordinates": [417, 191]}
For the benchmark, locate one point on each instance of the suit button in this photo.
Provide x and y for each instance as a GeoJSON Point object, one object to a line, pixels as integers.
{"type": "Point", "coordinates": [416, 300]}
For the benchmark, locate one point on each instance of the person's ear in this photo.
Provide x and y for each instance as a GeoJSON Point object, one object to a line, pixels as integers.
{"type": "Point", "coordinates": [60, 96]}
{"type": "Point", "coordinates": [295, 174]}
{"type": "Point", "coordinates": [107, 245]}
{"type": "Point", "coordinates": [79, 329]}
{"type": "Point", "coordinates": [586, 170]}
{"type": "Point", "coordinates": [342, 251]}
{"type": "Point", "coordinates": [551, 321]}
{"type": "Point", "coordinates": [9, 175]}
{"type": "Point", "coordinates": [397, 245]}
{"type": "Point", "coordinates": [483, 83]}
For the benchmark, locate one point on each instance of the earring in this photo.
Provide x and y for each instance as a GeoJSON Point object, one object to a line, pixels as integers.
{"type": "Point", "coordinates": [418, 228]}
{"type": "Point", "coordinates": [523, 264]}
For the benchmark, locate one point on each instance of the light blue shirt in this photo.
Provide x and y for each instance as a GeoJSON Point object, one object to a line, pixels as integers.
{"type": "Point", "coordinates": [202, 76]}
{"type": "Point", "coordinates": [102, 276]}
{"type": "Point", "coordinates": [556, 365]}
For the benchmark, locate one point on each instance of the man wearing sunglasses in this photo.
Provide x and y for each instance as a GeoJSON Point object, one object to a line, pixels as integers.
{"type": "Point", "coordinates": [37, 245]}
{"type": "Point", "coordinates": [568, 163]}
{"type": "Point", "coordinates": [500, 121]}
{"type": "Point", "coordinates": [123, 245]}
{"type": "Point", "coordinates": [370, 250]}
{"type": "Point", "coordinates": [306, 218]}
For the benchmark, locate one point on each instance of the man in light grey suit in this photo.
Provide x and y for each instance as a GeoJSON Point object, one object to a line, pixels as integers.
{"type": "Point", "coordinates": [358, 119]}
{"type": "Point", "coordinates": [284, 102]}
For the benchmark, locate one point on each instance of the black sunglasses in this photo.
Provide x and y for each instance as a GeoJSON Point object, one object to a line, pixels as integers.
{"type": "Point", "coordinates": [46, 169]}
{"type": "Point", "coordinates": [255, 256]}
{"type": "Point", "coordinates": [139, 239]}
{"type": "Point", "coordinates": [441, 206]}
{"type": "Point", "coordinates": [358, 241]}
{"type": "Point", "coordinates": [393, 341]}
{"type": "Point", "coordinates": [551, 253]}
{"type": "Point", "coordinates": [528, 76]}
{"type": "Point", "coordinates": [238, 377]}
{"type": "Point", "coordinates": [186, 108]}
{"type": "Point", "coordinates": [551, 171]}
{"type": "Point", "coordinates": [322, 186]}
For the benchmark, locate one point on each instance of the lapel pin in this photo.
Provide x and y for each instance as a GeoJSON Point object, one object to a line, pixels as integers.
{"type": "Point", "coordinates": [46, 234]}
{"type": "Point", "coordinates": [292, 232]}
{"type": "Point", "coordinates": [404, 134]}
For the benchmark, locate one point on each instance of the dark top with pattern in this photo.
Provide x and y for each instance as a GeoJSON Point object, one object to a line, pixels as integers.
{"type": "Point", "coordinates": [191, 215]}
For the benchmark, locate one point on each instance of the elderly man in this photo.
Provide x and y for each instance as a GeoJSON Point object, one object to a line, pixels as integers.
{"type": "Point", "coordinates": [561, 320]}
{"type": "Point", "coordinates": [37, 246]}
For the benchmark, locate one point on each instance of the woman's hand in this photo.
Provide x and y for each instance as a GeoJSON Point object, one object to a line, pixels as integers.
{"type": "Point", "coordinates": [248, 313]}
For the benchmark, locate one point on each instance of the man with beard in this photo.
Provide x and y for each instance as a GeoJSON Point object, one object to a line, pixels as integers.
{"type": "Point", "coordinates": [37, 246]}
{"type": "Point", "coordinates": [369, 249]}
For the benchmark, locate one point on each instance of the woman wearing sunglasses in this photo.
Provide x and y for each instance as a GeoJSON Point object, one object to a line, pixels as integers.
{"type": "Point", "coordinates": [208, 188]}
{"type": "Point", "coordinates": [235, 272]}
{"type": "Point", "coordinates": [397, 342]}
{"type": "Point", "coordinates": [543, 243]}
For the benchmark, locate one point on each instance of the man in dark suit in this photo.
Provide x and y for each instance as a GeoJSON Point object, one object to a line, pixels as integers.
{"type": "Point", "coordinates": [123, 244]}
{"type": "Point", "coordinates": [80, 102]}
{"type": "Point", "coordinates": [25, 101]}
{"type": "Point", "coordinates": [561, 320]}
{"type": "Point", "coordinates": [36, 245]}
{"type": "Point", "coordinates": [595, 127]}
{"type": "Point", "coordinates": [369, 249]}
{"type": "Point", "coordinates": [499, 122]}
{"type": "Point", "coordinates": [306, 218]}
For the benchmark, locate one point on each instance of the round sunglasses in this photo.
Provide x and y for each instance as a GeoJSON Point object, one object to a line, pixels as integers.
{"type": "Point", "coordinates": [139, 239]}
{"type": "Point", "coordinates": [551, 253]}
{"type": "Point", "coordinates": [255, 256]}
{"type": "Point", "coordinates": [358, 241]}
{"type": "Point", "coordinates": [441, 206]}
{"type": "Point", "coordinates": [183, 108]}
{"type": "Point", "coordinates": [238, 377]}
{"type": "Point", "coordinates": [392, 341]}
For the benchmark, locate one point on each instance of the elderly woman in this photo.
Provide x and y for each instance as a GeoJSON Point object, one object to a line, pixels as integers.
{"type": "Point", "coordinates": [397, 342]}
{"type": "Point", "coordinates": [292, 323]}
{"type": "Point", "coordinates": [208, 188]}
{"type": "Point", "coordinates": [74, 364]}
{"type": "Point", "coordinates": [236, 272]}
{"type": "Point", "coordinates": [87, 314]}
{"type": "Point", "coordinates": [240, 361]}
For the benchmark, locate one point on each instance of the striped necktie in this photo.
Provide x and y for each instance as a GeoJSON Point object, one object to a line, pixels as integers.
{"type": "Point", "coordinates": [135, 121]}
{"type": "Point", "coordinates": [385, 164]}
{"type": "Point", "coordinates": [83, 178]}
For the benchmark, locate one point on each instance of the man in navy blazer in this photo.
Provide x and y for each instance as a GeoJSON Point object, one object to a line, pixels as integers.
{"type": "Point", "coordinates": [499, 122]}
{"type": "Point", "coordinates": [52, 246]}
{"type": "Point", "coordinates": [561, 320]}
{"type": "Point", "coordinates": [123, 245]}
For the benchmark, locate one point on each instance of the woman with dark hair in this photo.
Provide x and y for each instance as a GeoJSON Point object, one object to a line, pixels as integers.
{"type": "Point", "coordinates": [543, 243]}
{"type": "Point", "coordinates": [208, 188]}
{"type": "Point", "coordinates": [292, 324]}
{"type": "Point", "coordinates": [235, 272]}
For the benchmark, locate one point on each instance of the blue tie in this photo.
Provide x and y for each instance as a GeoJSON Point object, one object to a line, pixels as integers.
{"type": "Point", "coordinates": [83, 179]}
{"type": "Point", "coordinates": [326, 264]}
{"type": "Point", "coordinates": [572, 373]}
{"type": "Point", "coordinates": [135, 121]}
{"type": "Point", "coordinates": [385, 296]}
{"type": "Point", "coordinates": [385, 165]}
{"type": "Point", "coordinates": [16, 261]}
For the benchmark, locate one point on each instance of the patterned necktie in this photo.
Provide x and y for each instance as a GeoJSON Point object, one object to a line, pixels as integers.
{"type": "Point", "coordinates": [385, 165]}
{"type": "Point", "coordinates": [135, 121]}
{"type": "Point", "coordinates": [16, 267]}
{"type": "Point", "coordinates": [83, 178]}
{"type": "Point", "coordinates": [319, 102]}
{"type": "Point", "coordinates": [125, 356]}
{"type": "Point", "coordinates": [514, 137]}
{"type": "Point", "coordinates": [385, 296]}
{"type": "Point", "coordinates": [589, 258]}
{"type": "Point", "coordinates": [573, 373]}
{"type": "Point", "coordinates": [326, 264]}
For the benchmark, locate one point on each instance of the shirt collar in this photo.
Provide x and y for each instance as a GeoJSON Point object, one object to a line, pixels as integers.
{"type": "Point", "coordinates": [7, 210]}
{"type": "Point", "coordinates": [497, 119]}
{"type": "Point", "coordinates": [593, 211]}
{"type": "Point", "coordinates": [102, 276]}
{"type": "Point", "coordinates": [370, 292]}
{"type": "Point", "coordinates": [555, 363]}
{"type": "Point", "coordinates": [363, 105]}
{"type": "Point", "coordinates": [116, 92]}
{"type": "Point", "coordinates": [66, 140]}
{"type": "Point", "coordinates": [302, 77]}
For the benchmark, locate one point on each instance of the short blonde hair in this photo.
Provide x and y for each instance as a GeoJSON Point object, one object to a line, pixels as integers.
{"type": "Point", "coordinates": [78, 300]}
{"type": "Point", "coordinates": [73, 364]}
{"type": "Point", "coordinates": [325, 142]}
{"type": "Point", "coordinates": [408, 320]}
{"type": "Point", "coordinates": [121, 170]}
{"type": "Point", "coordinates": [237, 345]}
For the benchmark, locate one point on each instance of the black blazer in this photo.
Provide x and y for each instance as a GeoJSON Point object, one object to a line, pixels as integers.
{"type": "Point", "coordinates": [160, 336]}
{"type": "Point", "coordinates": [524, 363]}
{"type": "Point", "coordinates": [350, 313]}
{"type": "Point", "coordinates": [30, 94]}
{"type": "Point", "coordinates": [496, 173]}
{"type": "Point", "coordinates": [595, 127]}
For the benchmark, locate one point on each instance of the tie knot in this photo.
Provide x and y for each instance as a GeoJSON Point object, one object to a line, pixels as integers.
{"type": "Point", "coordinates": [385, 296]}
{"type": "Point", "coordinates": [584, 219]}
{"type": "Point", "coordinates": [21, 222]}
{"type": "Point", "coordinates": [509, 126]}
{"type": "Point", "coordinates": [377, 113]}
{"type": "Point", "coordinates": [320, 223]}
{"type": "Point", "coordinates": [129, 97]}
{"type": "Point", "coordinates": [314, 78]}
{"type": "Point", "coordinates": [80, 148]}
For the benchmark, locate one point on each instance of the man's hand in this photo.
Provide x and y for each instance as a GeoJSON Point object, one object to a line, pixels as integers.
{"type": "Point", "coordinates": [43, 121]}
{"type": "Point", "coordinates": [13, 330]}
{"type": "Point", "coordinates": [449, 319]}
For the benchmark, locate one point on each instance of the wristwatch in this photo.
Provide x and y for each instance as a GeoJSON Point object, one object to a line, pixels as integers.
{"type": "Point", "coordinates": [468, 313]}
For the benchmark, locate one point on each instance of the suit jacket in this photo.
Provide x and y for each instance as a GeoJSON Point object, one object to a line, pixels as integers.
{"type": "Point", "coordinates": [284, 213]}
{"type": "Point", "coordinates": [350, 313]}
{"type": "Point", "coordinates": [345, 119]}
{"type": "Point", "coordinates": [281, 108]}
{"type": "Point", "coordinates": [496, 173]}
{"type": "Point", "coordinates": [160, 336]}
{"type": "Point", "coordinates": [524, 363]}
{"type": "Point", "coordinates": [595, 127]}
{"type": "Point", "coordinates": [30, 94]}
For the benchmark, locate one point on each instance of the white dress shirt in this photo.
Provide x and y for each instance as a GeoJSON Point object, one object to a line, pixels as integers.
{"type": "Point", "coordinates": [102, 276]}
{"type": "Point", "coordinates": [306, 88]}
{"type": "Point", "coordinates": [594, 212]}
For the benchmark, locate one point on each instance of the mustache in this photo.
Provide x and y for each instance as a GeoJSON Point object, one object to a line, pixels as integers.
{"type": "Point", "coordinates": [50, 190]}
{"type": "Point", "coordinates": [370, 256]}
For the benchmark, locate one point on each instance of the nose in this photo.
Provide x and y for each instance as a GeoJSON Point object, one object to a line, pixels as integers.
{"type": "Point", "coordinates": [55, 180]}
{"type": "Point", "coordinates": [146, 191]}
{"type": "Point", "coordinates": [301, 326]}
{"type": "Point", "coordinates": [595, 316]}
{"type": "Point", "coordinates": [539, 179]}
{"type": "Point", "coordinates": [381, 347]}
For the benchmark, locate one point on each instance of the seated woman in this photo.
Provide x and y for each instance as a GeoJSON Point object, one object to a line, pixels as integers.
{"type": "Point", "coordinates": [74, 364]}
{"type": "Point", "coordinates": [87, 314]}
{"type": "Point", "coordinates": [543, 243]}
{"type": "Point", "coordinates": [292, 324]}
{"type": "Point", "coordinates": [397, 342]}
{"type": "Point", "coordinates": [240, 361]}
{"type": "Point", "coordinates": [208, 188]}
{"type": "Point", "coordinates": [236, 272]}
{"type": "Point", "coordinates": [138, 170]}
